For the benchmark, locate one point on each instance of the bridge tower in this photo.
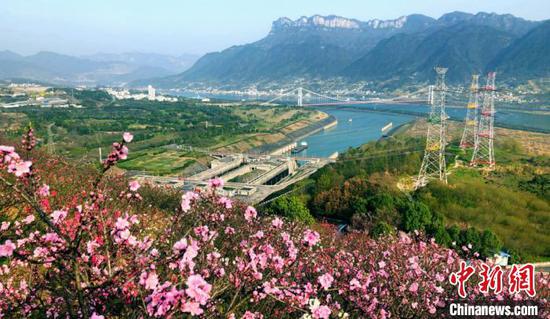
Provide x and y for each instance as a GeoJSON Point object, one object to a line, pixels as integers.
{"type": "Point", "coordinates": [470, 121]}
{"type": "Point", "coordinates": [484, 154]}
{"type": "Point", "coordinates": [300, 96]}
{"type": "Point", "coordinates": [431, 94]}
{"type": "Point", "coordinates": [433, 164]}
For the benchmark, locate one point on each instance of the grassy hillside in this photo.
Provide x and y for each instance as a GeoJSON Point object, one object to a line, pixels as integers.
{"type": "Point", "coordinates": [508, 208]}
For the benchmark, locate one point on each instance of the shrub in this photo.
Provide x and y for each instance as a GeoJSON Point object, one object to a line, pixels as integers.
{"type": "Point", "coordinates": [381, 229]}
{"type": "Point", "coordinates": [416, 216]}
{"type": "Point", "coordinates": [291, 207]}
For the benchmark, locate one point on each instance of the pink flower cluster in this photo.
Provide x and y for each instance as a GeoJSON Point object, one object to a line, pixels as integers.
{"type": "Point", "coordinates": [13, 162]}
{"type": "Point", "coordinates": [29, 141]}
{"type": "Point", "coordinates": [119, 151]}
{"type": "Point", "coordinates": [94, 255]}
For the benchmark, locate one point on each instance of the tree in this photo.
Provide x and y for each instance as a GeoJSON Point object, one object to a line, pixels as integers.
{"type": "Point", "coordinates": [454, 234]}
{"type": "Point", "coordinates": [442, 237]}
{"type": "Point", "coordinates": [471, 236]}
{"type": "Point", "coordinates": [416, 216]}
{"type": "Point", "coordinates": [381, 228]}
{"type": "Point", "coordinates": [291, 207]}
{"type": "Point", "coordinates": [490, 244]}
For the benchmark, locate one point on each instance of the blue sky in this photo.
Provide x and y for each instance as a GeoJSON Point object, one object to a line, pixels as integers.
{"type": "Point", "coordinates": [197, 26]}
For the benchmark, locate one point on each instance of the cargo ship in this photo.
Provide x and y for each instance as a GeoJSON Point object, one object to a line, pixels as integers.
{"type": "Point", "coordinates": [300, 148]}
{"type": "Point", "coordinates": [387, 127]}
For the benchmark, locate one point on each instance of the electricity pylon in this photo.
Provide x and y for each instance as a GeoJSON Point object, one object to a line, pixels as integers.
{"type": "Point", "coordinates": [433, 164]}
{"type": "Point", "coordinates": [470, 121]}
{"type": "Point", "coordinates": [484, 153]}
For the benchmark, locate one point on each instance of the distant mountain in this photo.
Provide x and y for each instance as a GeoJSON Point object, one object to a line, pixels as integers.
{"type": "Point", "coordinates": [526, 57]}
{"type": "Point", "coordinates": [316, 46]}
{"type": "Point", "coordinates": [100, 69]}
{"type": "Point", "coordinates": [404, 49]}
{"type": "Point", "coordinates": [463, 48]}
{"type": "Point", "coordinates": [173, 64]}
{"type": "Point", "coordinates": [503, 22]}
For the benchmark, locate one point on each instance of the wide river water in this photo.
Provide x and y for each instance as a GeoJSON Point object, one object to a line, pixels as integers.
{"type": "Point", "coordinates": [355, 127]}
{"type": "Point", "coordinates": [367, 120]}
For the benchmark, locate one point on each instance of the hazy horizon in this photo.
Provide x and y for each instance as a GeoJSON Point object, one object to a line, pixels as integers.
{"type": "Point", "coordinates": [177, 28]}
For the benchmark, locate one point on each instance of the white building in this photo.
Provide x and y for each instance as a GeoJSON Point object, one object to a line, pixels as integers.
{"type": "Point", "coordinates": [151, 93]}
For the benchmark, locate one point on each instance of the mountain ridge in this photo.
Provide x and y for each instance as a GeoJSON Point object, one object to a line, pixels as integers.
{"type": "Point", "coordinates": [98, 69]}
{"type": "Point", "coordinates": [323, 47]}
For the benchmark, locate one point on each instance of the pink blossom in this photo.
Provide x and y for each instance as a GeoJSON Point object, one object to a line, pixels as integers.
{"type": "Point", "coordinates": [7, 149]}
{"type": "Point", "coordinates": [122, 223]}
{"type": "Point", "coordinates": [198, 289]}
{"type": "Point", "coordinates": [29, 219]}
{"type": "Point", "coordinates": [252, 315]}
{"type": "Point", "coordinates": [259, 234]}
{"type": "Point", "coordinates": [215, 183]}
{"type": "Point", "coordinates": [320, 312]}
{"type": "Point", "coordinates": [354, 284]}
{"type": "Point", "coordinates": [226, 202]}
{"type": "Point", "coordinates": [413, 287]}
{"type": "Point", "coordinates": [180, 245]}
{"type": "Point", "coordinates": [186, 200]}
{"type": "Point", "coordinates": [128, 137]}
{"type": "Point", "coordinates": [311, 238]}
{"type": "Point", "coordinates": [149, 280]}
{"type": "Point", "coordinates": [134, 186]}
{"type": "Point", "coordinates": [325, 281]}
{"type": "Point", "coordinates": [277, 222]}
{"type": "Point", "coordinates": [44, 190]}
{"type": "Point", "coordinates": [122, 152]}
{"type": "Point", "coordinates": [4, 226]}
{"type": "Point", "coordinates": [40, 252]}
{"type": "Point", "coordinates": [193, 308]}
{"type": "Point", "coordinates": [58, 215]}
{"type": "Point", "coordinates": [96, 316]}
{"type": "Point", "coordinates": [91, 246]}
{"type": "Point", "coordinates": [19, 168]}
{"type": "Point", "coordinates": [7, 248]}
{"type": "Point", "coordinates": [250, 213]}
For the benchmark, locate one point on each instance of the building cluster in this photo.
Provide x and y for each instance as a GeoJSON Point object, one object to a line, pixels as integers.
{"type": "Point", "coordinates": [150, 94]}
{"type": "Point", "coordinates": [30, 94]}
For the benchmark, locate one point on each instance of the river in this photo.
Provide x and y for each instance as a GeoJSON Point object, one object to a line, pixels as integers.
{"type": "Point", "coordinates": [363, 127]}
{"type": "Point", "coordinates": [368, 119]}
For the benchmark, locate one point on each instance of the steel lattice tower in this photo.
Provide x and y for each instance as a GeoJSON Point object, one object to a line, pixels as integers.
{"type": "Point", "coordinates": [433, 164]}
{"type": "Point", "coordinates": [484, 154]}
{"type": "Point", "coordinates": [470, 121]}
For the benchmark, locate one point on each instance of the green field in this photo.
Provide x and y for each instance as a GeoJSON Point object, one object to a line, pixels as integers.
{"type": "Point", "coordinates": [158, 127]}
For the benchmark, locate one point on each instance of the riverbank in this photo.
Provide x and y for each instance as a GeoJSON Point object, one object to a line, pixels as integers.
{"type": "Point", "coordinates": [296, 135]}
{"type": "Point", "coordinates": [505, 118]}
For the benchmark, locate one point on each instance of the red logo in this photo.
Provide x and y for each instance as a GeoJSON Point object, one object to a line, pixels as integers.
{"type": "Point", "coordinates": [490, 279]}
{"type": "Point", "coordinates": [520, 278]}
{"type": "Point", "coordinates": [461, 277]}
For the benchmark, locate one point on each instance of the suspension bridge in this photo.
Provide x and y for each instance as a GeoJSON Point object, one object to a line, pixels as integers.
{"type": "Point", "coordinates": [303, 97]}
